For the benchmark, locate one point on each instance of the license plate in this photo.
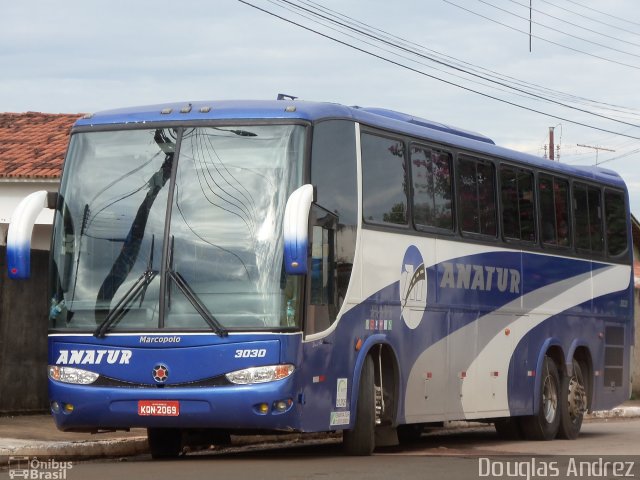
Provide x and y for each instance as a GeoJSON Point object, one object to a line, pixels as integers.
{"type": "Point", "coordinates": [158, 408]}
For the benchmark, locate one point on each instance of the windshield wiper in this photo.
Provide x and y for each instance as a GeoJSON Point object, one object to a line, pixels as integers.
{"type": "Point", "coordinates": [122, 307]}
{"type": "Point", "coordinates": [200, 307]}
{"type": "Point", "coordinates": [240, 133]}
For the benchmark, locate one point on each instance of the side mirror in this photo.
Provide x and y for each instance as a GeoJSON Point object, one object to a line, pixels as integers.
{"type": "Point", "coordinates": [296, 230]}
{"type": "Point", "coordinates": [20, 230]}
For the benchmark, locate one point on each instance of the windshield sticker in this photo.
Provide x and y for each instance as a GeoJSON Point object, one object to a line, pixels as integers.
{"type": "Point", "coordinates": [94, 357]}
{"type": "Point", "coordinates": [340, 418]}
{"type": "Point", "coordinates": [341, 393]}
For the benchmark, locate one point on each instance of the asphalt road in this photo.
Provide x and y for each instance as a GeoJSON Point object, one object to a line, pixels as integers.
{"type": "Point", "coordinates": [470, 453]}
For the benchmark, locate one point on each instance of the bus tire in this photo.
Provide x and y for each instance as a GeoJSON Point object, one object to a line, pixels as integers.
{"type": "Point", "coordinates": [164, 442]}
{"type": "Point", "coordinates": [360, 440]}
{"type": "Point", "coordinates": [544, 425]}
{"type": "Point", "coordinates": [573, 395]}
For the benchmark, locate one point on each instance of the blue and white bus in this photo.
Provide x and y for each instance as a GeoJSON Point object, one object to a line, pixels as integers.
{"type": "Point", "coordinates": [266, 266]}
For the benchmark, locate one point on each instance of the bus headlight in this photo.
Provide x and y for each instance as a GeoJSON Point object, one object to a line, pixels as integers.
{"type": "Point", "coordinates": [265, 374]}
{"type": "Point", "coordinates": [72, 375]}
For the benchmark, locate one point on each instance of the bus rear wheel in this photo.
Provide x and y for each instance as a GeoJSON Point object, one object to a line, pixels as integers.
{"type": "Point", "coordinates": [544, 425]}
{"type": "Point", "coordinates": [360, 440]}
{"type": "Point", "coordinates": [573, 395]}
{"type": "Point", "coordinates": [164, 442]}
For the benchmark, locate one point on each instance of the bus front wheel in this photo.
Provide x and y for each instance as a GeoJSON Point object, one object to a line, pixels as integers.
{"type": "Point", "coordinates": [360, 440]}
{"type": "Point", "coordinates": [544, 425]}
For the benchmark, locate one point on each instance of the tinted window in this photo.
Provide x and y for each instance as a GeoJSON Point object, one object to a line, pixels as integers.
{"type": "Point", "coordinates": [321, 267]}
{"type": "Point", "coordinates": [476, 186]}
{"type": "Point", "coordinates": [518, 212]}
{"type": "Point", "coordinates": [333, 169]}
{"type": "Point", "coordinates": [431, 175]}
{"type": "Point", "coordinates": [384, 198]}
{"type": "Point", "coordinates": [554, 211]}
{"type": "Point", "coordinates": [333, 173]}
{"type": "Point", "coordinates": [588, 217]}
{"type": "Point", "coordinates": [615, 216]}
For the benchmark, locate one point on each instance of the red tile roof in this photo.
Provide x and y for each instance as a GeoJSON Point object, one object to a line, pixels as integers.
{"type": "Point", "coordinates": [33, 144]}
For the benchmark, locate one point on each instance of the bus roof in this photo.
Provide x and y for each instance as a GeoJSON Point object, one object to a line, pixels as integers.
{"type": "Point", "coordinates": [190, 112]}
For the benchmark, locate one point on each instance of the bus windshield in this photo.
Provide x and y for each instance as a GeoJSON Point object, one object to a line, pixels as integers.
{"type": "Point", "coordinates": [176, 229]}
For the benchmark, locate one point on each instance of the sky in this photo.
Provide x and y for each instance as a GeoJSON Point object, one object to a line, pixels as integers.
{"type": "Point", "coordinates": [467, 63]}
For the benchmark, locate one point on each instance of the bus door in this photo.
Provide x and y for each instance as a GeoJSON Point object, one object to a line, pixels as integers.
{"type": "Point", "coordinates": [322, 305]}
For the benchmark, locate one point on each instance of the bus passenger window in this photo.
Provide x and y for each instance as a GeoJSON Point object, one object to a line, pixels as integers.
{"type": "Point", "coordinates": [595, 220]}
{"type": "Point", "coordinates": [518, 212]}
{"type": "Point", "coordinates": [554, 211]}
{"type": "Point", "coordinates": [476, 192]}
{"type": "Point", "coordinates": [431, 173]}
{"type": "Point", "coordinates": [588, 217]}
{"type": "Point", "coordinates": [615, 218]}
{"type": "Point", "coordinates": [384, 180]}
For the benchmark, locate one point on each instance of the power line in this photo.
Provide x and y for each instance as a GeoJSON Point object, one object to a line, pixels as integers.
{"type": "Point", "coordinates": [475, 68]}
{"type": "Point", "coordinates": [604, 13]}
{"type": "Point", "coordinates": [590, 18]}
{"type": "Point", "coordinates": [573, 25]}
{"type": "Point", "coordinates": [420, 72]}
{"type": "Point", "coordinates": [395, 45]}
{"type": "Point", "coordinates": [542, 38]}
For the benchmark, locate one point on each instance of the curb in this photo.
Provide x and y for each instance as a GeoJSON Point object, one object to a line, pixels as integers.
{"type": "Point", "coordinates": [119, 447]}
{"type": "Point", "coordinates": [620, 412]}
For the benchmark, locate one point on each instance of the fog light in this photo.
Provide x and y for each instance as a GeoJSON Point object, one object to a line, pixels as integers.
{"type": "Point", "coordinates": [68, 408]}
{"type": "Point", "coordinates": [282, 405]}
{"type": "Point", "coordinates": [55, 407]}
{"type": "Point", "coordinates": [263, 408]}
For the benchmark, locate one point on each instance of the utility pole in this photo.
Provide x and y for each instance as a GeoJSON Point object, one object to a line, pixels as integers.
{"type": "Point", "coordinates": [597, 149]}
{"type": "Point", "coordinates": [530, 22]}
{"type": "Point", "coordinates": [551, 146]}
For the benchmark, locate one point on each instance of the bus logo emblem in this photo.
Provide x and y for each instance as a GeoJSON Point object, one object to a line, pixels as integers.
{"type": "Point", "coordinates": [413, 287]}
{"type": "Point", "coordinates": [160, 373]}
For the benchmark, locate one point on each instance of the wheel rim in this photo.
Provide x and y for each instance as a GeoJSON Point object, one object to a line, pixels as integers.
{"type": "Point", "coordinates": [379, 405]}
{"type": "Point", "coordinates": [577, 397]}
{"type": "Point", "coordinates": [549, 399]}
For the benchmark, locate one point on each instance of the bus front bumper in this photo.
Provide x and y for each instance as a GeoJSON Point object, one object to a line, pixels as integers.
{"type": "Point", "coordinates": [270, 406]}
